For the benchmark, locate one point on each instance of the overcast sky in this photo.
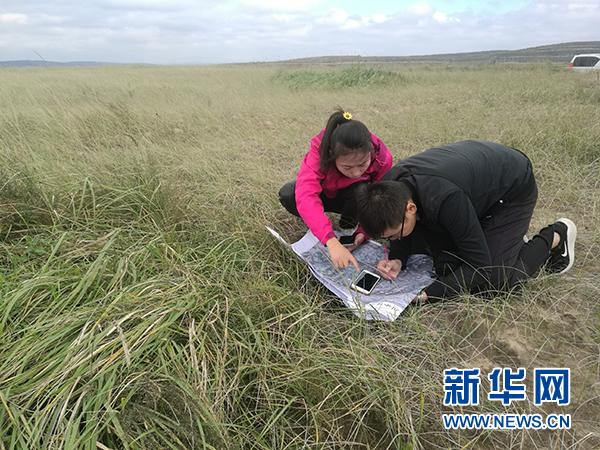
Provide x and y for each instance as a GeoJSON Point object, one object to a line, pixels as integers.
{"type": "Point", "coordinates": [205, 31]}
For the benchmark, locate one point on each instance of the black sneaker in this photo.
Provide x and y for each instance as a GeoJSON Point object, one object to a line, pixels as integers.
{"type": "Point", "coordinates": [563, 256]}
{"type": "Point", "coordinates": [347, 222]}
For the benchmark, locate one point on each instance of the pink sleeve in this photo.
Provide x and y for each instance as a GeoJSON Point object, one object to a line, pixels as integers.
{"type": "Point", "coordinates": [308, 195]}
{"type": "Point", "coordinates": [384, 158]}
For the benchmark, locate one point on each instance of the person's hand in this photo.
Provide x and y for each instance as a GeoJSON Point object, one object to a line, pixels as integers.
{"type": "Point", "coordinates": [389, 268]}
{"type": "Point", "coordinates": [358, 240]}
{"type": "Point", "coordinates": [340, 255]}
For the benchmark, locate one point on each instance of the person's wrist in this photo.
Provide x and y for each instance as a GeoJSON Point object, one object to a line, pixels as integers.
{"type": "Point", "coordinates": [332, 241]}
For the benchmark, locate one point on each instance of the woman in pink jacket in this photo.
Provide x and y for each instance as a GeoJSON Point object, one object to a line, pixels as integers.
{"type": "Point", "coordinates": [341, 157]}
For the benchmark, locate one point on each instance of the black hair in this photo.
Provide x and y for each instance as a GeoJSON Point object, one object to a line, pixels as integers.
{"type": "Point", "coordinates": [343, 136]}
{"type": "Point", "coordinates": [381, 206]}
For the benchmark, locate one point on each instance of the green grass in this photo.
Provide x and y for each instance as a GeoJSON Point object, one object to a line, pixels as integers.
{"type": "Point", "coordinates": [143, 305]}
{"type": "Point", "coordinates": [354, 76]}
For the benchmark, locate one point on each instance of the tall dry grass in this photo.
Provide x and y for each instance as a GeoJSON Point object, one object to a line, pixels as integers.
{"type": "Point", "coordinates": [142, 305]}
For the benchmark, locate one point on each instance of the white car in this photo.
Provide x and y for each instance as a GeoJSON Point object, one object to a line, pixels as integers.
{"type": "Point", "coordinates": [590, 61]}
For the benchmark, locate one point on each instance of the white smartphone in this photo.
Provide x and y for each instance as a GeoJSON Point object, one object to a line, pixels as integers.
{"type": "Point", "coordinates": [365, 282]}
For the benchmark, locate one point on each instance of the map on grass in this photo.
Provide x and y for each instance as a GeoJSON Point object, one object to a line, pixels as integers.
{"type": "Point", "coordinates": [387, 300]}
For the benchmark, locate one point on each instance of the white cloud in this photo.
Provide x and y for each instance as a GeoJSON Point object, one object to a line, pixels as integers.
{"type": "Point", "coordinates": [344, 21]}
{"type": "Point", "coordinates": [284, 18]}
{"type": "Point", "coordinates": [441, 17]}
{"type": "Point", "coordinates": [379, 18]}
{"type": "Point", "coordinates": [161, 5]}
{"type": "Point", "coordinates": [299, 31]}
{"type": "Point", "coordinates": [337, 16]}
{"type": "Point", "coordinates": [420, 9]}
{"type": "Point", "coordinates": [199, 31]}
{"type": "Point", "coordinates": [280, 5]}
{"type": "Point", "coordinates": [50, 19]}
{"type": "Point", "coordinates": [13, 18]}
{"type": "Point", "coordinates": [583, 6]}
{"type": "Point", "coordinates": [352, 24]}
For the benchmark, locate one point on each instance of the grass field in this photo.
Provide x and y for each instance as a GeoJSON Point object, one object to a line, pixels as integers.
{"type": "Point", "coordinates": [143, 306]}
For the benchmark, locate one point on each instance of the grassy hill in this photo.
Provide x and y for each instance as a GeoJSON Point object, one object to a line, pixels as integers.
{"type": "Point", "coordinates": [144, 306]}
{"type": "Point", "coordinates": [559, 53]}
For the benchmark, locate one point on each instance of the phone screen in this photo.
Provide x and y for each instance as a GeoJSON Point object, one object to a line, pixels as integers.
{"type": "Point", "coordinates": [367, 281]}
{"type": "Point", "coordinates": [347, 240]}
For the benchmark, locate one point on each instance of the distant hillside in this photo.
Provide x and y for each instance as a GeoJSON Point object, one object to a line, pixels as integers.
{"type": "Point", "coordinates": [38, 63]}
{"type": "Point", "coordinates": [559, 53]}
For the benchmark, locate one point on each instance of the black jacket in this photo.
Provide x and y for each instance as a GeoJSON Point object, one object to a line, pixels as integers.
{"type": "Point", "coordinates": [454, 187]}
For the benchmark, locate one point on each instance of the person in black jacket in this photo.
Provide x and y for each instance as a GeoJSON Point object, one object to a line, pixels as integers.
{"type": "Point", "coordinates": [469, 205]}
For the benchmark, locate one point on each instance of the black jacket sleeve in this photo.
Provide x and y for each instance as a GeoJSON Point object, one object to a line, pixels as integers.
{"type": "Point", "coordinates": [458, 217]}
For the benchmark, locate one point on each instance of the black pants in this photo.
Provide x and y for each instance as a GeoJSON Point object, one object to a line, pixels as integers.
{"type": "Point", "coordinates": [343, 203]}
{"type": "Point", "coordinates": [514, 260]}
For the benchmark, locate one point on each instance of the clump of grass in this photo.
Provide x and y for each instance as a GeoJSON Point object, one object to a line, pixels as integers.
{"type": "Point", "coordinates": [355, 76]}
{"type": "Point", "coordinates": [588, 88]}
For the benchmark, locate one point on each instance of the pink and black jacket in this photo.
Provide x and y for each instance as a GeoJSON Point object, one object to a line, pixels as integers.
{"type": "Point", "coordinates": [312, 182]}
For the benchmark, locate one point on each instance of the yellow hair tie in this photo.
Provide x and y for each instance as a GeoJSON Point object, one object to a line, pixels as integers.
{"type": "Point", "coordinates": [347, 116]}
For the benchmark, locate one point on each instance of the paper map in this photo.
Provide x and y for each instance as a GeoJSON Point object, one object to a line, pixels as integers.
{"type": "Point", "coordinates": [387, 300]}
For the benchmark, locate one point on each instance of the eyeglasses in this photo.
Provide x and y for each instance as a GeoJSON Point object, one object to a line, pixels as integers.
{"type": "Point", "coordinates": [402, 228]}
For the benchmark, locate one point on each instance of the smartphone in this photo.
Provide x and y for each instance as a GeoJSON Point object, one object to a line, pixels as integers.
{"type": "Point", "coordinates": [365, 282]}
{"type": "Point", "coordinates": [347, 240]}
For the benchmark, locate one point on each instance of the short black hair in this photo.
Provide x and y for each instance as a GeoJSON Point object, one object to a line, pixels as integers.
{"type": "Point", "coordinates": [381, 206]}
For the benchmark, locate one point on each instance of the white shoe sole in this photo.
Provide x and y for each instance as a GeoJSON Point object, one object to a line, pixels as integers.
{"type": "Point", "coordinates": [571, 236]}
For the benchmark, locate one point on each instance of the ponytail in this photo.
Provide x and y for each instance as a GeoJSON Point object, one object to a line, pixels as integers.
{"type": "Point", "coordinates": [342, 136]}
